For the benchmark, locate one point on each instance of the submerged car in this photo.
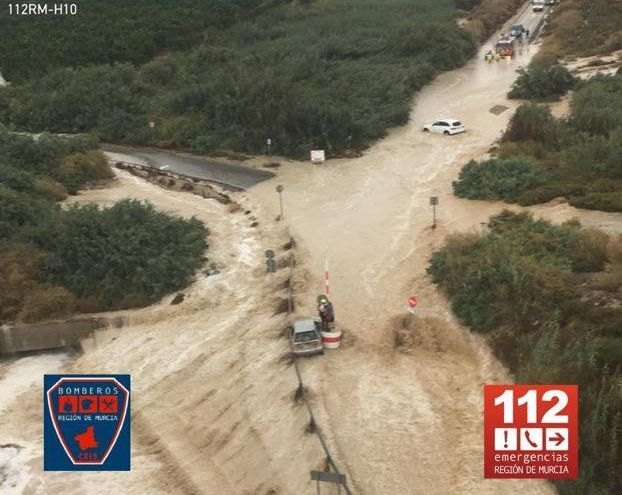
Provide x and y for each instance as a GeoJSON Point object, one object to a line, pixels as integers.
{"type": "Point", "coordinates": [445, 126]}
{"type": "Point", "coordinates": [305, 337]}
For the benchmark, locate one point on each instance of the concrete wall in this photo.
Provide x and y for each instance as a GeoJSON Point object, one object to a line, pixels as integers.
{"type": "Point", "coordinates": [50, 335]}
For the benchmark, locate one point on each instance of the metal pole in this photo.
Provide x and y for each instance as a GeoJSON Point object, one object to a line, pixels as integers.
{"type": "Point", "coordinates": [326, 282]}
{"type": "Point", "coordinates": [433, 203]}
{"type": "Point", "coordinates": [279, 189]}
{"type": "Point", "coordinates": [289, 287]}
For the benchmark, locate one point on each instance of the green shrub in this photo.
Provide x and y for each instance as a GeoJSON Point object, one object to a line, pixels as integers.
{"type": "Point", "coordinates": [19, 268]}
{"type": "Point", "coordinates": [606, 201]}
{"type": "Point", "coordinates": [16, 179]}
{"type": "Point", "coordinates": [50, 189]}
{"type": "Point", "coordinates": [80, 167]}
{"type": "Point", "coordinates": [596, 107]}
{"type": "Point", "coordinates": [46, 303]}
{"type": "Point", "coordinates": [496, 179]}
{"type": "Point", "coordinates": [541, 82]}
{"type": "Point", "coordinates": [533, 123]}
{"type": "Point", "coordinates": [122, 254]}
{"type": "Point", "coordinates": [547, 192]}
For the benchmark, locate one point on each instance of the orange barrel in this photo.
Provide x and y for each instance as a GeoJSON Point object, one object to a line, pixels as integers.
{"type": "Point", "coordinates": [331, 340]}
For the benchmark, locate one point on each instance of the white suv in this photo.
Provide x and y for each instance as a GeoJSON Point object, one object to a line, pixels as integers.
{"type": "Point", "coordinates": [537, 5]}
{"type": "Point", "coordinates": [445, 126]}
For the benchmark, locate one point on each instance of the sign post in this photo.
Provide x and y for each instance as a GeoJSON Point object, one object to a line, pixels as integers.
{"type": "Point", "coordinates": [279, 189]}
{"type": "Point", "coordinates": [412, 303]}
{"type": "Point", "coordinates": [434, 203]}
{"type": "Point", "coordinates": [318, 156]}
{"type": "Point", "coordinates": [269, 145]}
{"type": "Point", "coordinates": [152, 125]}
{"type": "Point", "coordinates": [328, 477]}
{"type": "Point", "coordinates": [326, 282]}
{"type": "Point", "coordinates": [270, 263]}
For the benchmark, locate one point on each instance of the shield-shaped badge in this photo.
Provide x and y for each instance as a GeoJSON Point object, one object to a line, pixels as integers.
{"type": "Point", "coordinates": [87, 422]}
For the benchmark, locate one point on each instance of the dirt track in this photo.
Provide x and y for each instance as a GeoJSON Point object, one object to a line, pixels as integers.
{"type": "Point", "coordinates": [212, 397]}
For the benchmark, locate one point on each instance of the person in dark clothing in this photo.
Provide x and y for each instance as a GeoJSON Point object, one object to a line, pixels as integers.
{"type": "Point", "coordinates": [327, 314]}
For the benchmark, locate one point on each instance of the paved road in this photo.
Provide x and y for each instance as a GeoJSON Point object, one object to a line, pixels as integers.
{"type": "Point", "coordinates": [238, 176]}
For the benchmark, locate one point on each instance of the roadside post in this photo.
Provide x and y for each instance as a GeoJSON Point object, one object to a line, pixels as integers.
{"type": "Point", "coordinates": [326, 279]}
{"type": "Point", "coordinates": [269, 145]}
{"type": "Point", "coordinates": [279, 189]}
{"type": "Point", "coordinates": [412, 304]}
{"type": "Point", "coordinates": [434, 203]}
{"type": "Point", "coordinates": [318, 156]}
{"type": "Point", "coordinates": [270, 263]}
{"type": "Point", "coordinates": [152, 130]}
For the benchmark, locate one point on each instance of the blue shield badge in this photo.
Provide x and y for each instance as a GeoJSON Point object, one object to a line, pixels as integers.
{"type": "Point", "coordinates": [86, 423]}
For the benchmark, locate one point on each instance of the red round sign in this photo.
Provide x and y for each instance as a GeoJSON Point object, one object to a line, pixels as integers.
{"type": "Point", "coordinates": [412, 301]}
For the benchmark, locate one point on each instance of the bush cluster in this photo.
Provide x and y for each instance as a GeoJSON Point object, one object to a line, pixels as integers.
{"type": "Point", "coordinates": [578, 158]}
{"type": "Point", "coordinates": [54, 261]}
{"type": "Point", "coordinates": [579, 28]}
{"type": "Point", "coordinates": [497, 179]}
{"type": "Point", "coordinates": [108, 31]}
{"type": "Point", "coordinates": [522, 284]}
{"type": "Point", "coordinates": [329, 75]}
{"type": "Point", "coordinates": [539, 82]}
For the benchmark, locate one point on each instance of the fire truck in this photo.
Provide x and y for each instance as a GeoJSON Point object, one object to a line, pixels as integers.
{"type": "Point", "coordinates": [506, 46]}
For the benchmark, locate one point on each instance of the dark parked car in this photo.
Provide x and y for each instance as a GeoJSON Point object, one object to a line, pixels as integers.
{"type": "Point", "coordinates": [305, 337]}
{"type": "Point", "coordinates": [517, 30]}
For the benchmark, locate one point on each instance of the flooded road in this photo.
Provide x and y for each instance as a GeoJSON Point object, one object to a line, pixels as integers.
{"type": "Point", "coordinates": [238, 176]}
{"type": "Point", "coordinates": [213, 408]}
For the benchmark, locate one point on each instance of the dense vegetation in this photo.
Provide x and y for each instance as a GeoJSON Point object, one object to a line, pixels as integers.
{"type": "Point", "coordinates": [332, 75]}
{"type": "Point", "coordinates": [484, 17]}
{"type": "Point", "coordinates": [553, 315]}
{"type": "Point", "coordinates": [582, 28]}
{"type": "Point", "coordinates": [56, 261]}
{"type": "Point", "coordinates": [497, 179]}
{"type": "Point", "coordinates": [108, 31]}
{"type": "Point", "coordinates": [541, 158]}
{"type": "Point", "coordinates": [541, 82]}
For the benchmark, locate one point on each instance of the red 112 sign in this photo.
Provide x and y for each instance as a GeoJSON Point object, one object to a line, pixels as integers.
{"type": "Point", "coordinates": [531, 431]}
